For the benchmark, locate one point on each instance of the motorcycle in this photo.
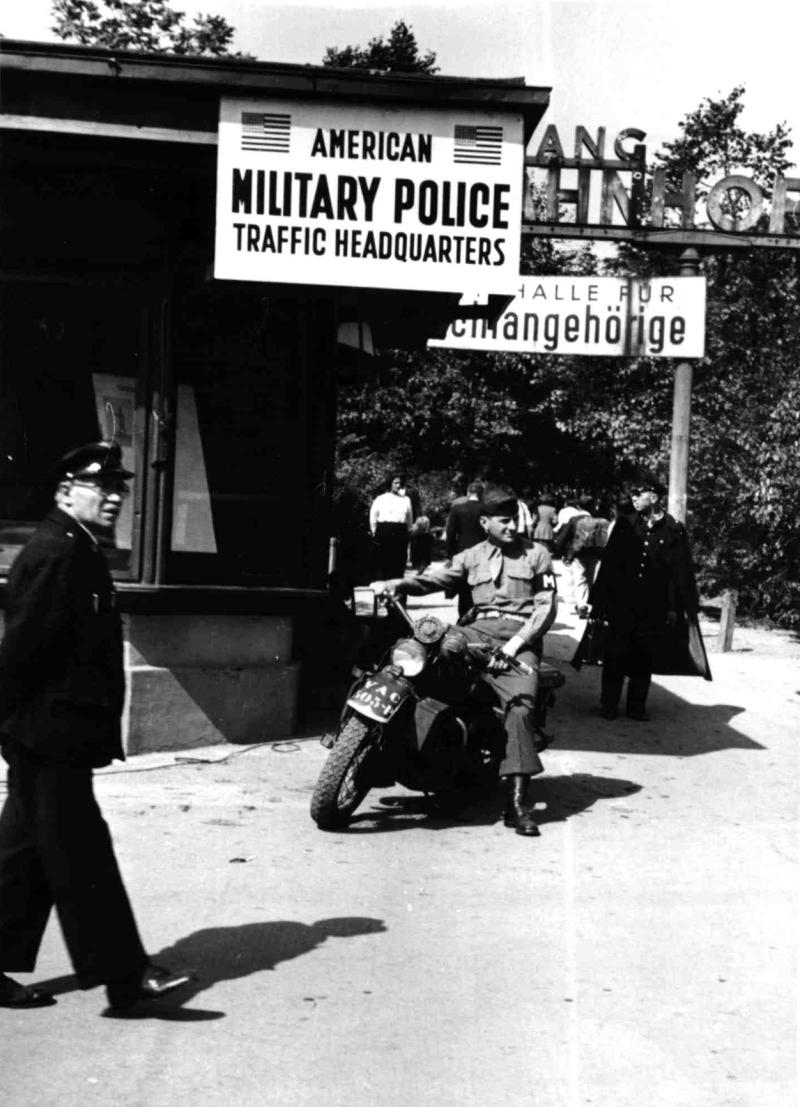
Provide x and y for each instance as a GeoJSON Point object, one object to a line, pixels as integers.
{"type": "Point", "coordinates": [421, 718]}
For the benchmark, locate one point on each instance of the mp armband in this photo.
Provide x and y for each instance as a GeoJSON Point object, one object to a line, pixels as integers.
{"type": "Point", "coordinates": [544, 582]}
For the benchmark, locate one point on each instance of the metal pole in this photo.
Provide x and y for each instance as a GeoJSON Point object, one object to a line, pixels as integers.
{"type": "Point", "coordinates": [681, 413]}
{"type": "Point", "coordinates": [727, 620]}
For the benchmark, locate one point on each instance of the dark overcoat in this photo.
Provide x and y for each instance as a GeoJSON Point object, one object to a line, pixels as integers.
{"type": "Point", "coordinates": [643, 575]}
{"type": "Point", "coordinates": [62, 682]}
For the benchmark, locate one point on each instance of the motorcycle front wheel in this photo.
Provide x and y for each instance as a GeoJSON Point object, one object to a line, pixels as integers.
{"type": "Point", "coordinates": [344, 781]}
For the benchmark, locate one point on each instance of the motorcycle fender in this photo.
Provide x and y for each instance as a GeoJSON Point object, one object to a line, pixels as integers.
{"type": "Point", "coordinates": [379, 697]}
{"type": "Point", "coordinates": [426, 713]}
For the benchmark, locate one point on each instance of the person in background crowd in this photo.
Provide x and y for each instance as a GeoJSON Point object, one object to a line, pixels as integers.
{"type": "Point", "coordinates": [463, 529]}
{"type": "Point", "coordinates": [622, 509]}
{"type": "Point", "coordinates": [62, 686]}
{"type": "Point", "coordinates": [645, 591]}
{"type": "Point", "coordinates": [569, 509]}
{"type": "Point", "coordinates": [544, 524]}
{"type": "Point", "coordinates": [421, 544]}
{"type": "Point", "coordinates": [513, 603]}
{"type": "Point", "coordinates": [415, 499]}
{"type": "Point", "coordinates": [524, 520]}
{"type": "Point", "coordinates": [580, 545]}
{"type": "Point", "coordinates": [390, 522]}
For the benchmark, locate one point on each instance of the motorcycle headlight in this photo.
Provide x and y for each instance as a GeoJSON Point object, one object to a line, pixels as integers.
{"type": "Point", "coordinates": [409, 656]}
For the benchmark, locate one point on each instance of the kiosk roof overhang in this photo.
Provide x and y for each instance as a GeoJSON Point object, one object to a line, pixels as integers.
{"type": "Point", "coordinates": [59, 83]}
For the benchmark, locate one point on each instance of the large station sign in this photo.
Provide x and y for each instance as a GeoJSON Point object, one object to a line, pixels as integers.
{"type": "Point", "coordinates": [659, 317]}
{"type": "Point", "coordinates": [398, 198]}
{"type": "Point", "coordinates": [580, 192]}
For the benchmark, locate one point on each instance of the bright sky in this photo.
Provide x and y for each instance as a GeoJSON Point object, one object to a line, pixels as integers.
{"type": "Point", "coordinates": [612, 63]}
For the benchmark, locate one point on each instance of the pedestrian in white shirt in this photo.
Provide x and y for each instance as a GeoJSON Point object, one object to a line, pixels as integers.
{"type": "Point", "coordinates": [390, 521]}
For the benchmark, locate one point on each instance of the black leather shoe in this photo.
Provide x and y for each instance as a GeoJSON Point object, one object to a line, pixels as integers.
{"type": "Point", "coordinates": [13, 994]}
{"type": "Point", "coordinates": [608, 712]}
{"type": "Point", "coordinates": [154, 983]}
{"type": "Point", "coordinates": [640, 716]}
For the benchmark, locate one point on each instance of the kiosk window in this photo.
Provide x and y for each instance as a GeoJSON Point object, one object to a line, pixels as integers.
{"type": "Point", "coordinates": [69, 367]}
{"type": "Point", "coordinates": [240, 502]}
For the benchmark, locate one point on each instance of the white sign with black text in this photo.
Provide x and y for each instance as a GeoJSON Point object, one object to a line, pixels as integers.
{"type": "Point", "coordinates": [336, 194]}
{"type": "Point", "coordinates": [656, 317]}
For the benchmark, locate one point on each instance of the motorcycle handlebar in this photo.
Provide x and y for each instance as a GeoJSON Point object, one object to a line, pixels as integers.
{"type": "Point", "coordinates": [392, 601]}
{"type": "Point", "coordinates": [488, 650]}
{"type": "Point", "coordinates": [495, 652]}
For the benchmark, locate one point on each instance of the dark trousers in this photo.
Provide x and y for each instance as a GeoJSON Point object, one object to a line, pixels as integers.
{"type": "Point", "coordinates": [55, 849]}
{"type": "Point", "coordinates": [390, 551]}
{"type": "Point", "coordinates": [628, 653]}
{"type": "Point", "coordinates": [516, 695]}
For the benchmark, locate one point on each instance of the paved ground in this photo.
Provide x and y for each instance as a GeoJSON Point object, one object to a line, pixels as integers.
{"type": "Point", "coordinates": [641, 953]}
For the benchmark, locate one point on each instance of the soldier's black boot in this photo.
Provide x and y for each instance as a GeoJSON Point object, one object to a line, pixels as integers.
{"type": "Point", "coordinates": [517, 815]}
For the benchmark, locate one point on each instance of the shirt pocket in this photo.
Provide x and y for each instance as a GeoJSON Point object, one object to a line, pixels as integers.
{"type": "Point", "coordinates": [481, 583]}
{"type": "Point", "coordinates": [520, 576]}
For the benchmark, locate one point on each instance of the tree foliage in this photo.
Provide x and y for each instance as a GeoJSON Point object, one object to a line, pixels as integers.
{"type": "Point", "coordinates": [713, 144]}
{"type": "Point", "coordinates": [744, 496]}
{"type": "Point", "coordinates": [149, 26]}
{"type": "Point", "coordinates": [398, 53]}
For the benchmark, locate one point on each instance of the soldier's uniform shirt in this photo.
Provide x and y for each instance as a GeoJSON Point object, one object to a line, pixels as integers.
{"type": "Point", "coordinates": [519, 585]}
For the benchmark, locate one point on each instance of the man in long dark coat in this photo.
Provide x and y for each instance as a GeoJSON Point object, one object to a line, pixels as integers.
{"type": "Point", "coordinates": [645, 591]}
{"type": "Point", "coordinates": [61, 694]}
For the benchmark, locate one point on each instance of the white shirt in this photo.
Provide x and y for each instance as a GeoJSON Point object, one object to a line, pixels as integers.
{"type": "Point", "coordinates": [524, 521]}
{"type": "Point", "coordinates": [390, 507]}
{"type": "Point", "coordinates": [564, 516]}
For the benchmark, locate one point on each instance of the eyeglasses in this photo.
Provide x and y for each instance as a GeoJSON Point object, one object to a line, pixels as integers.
{"type": "Point", "coordinates": [106, 487]}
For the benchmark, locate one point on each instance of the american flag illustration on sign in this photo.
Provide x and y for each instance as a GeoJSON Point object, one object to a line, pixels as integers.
{"type": "Point", "coordinates": [477, 145]}
{"type": "Point", "coordinates": [269, 132]}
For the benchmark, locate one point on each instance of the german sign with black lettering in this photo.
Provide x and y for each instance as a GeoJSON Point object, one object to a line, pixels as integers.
{"type": "Point", "coordinates": [660, 317]}
{"type": "Point", "coordinates": [319, 193]}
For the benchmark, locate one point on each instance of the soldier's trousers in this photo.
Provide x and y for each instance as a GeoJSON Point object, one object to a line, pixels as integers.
{"type": "Point", "coordinates": [56, 850]}
{"type": "Point", "coordinates": [516, 694]}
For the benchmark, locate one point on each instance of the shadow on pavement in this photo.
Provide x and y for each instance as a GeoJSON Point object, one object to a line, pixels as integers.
{"type": "Point", "coordinates": [562, 795]}
{"type": "Point", "coordinates": [677, 728]}
{"type": "Point", "coordinates": [570, 795]}
{"type": "Point", "coordinates": [229, 953]}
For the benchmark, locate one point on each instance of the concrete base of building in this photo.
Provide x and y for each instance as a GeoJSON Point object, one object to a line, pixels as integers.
{"type": "Point", "coordinates": [201, 679]}
{"type": "Point", "coordinates": [183, 707]}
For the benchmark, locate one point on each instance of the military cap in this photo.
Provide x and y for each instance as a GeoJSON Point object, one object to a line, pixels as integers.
{"type": "Point", "coordinates": [644, 478]}
{"type": "Point", "coordinates": [498, 501]}
{"type": "Point", "coordinates": [94, 461]}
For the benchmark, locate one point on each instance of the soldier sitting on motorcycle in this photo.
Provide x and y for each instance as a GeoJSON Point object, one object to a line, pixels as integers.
{"type": "Point", "coordinates": [513, 605]}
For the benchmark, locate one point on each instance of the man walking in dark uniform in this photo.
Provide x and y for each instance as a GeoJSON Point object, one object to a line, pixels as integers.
{"type": "Point", "coordinates": [645, 591]}
{"type": "Point", "coordinates": [514, 603]}
{"type": "Point", "coordinates": [61, 694]}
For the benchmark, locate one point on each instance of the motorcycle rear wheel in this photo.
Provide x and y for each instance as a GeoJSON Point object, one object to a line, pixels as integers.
{"type": "Point", "coordinates": [343, 782]}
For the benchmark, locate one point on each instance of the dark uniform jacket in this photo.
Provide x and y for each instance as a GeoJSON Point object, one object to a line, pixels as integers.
{"type": "Point", "coordinates": [645, 573]}
{"type": "Point", "coordinates": [62, 682]}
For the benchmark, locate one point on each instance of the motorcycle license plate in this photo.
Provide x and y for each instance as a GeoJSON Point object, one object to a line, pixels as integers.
{"type": "Point", "coordinates": [378, 697]}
